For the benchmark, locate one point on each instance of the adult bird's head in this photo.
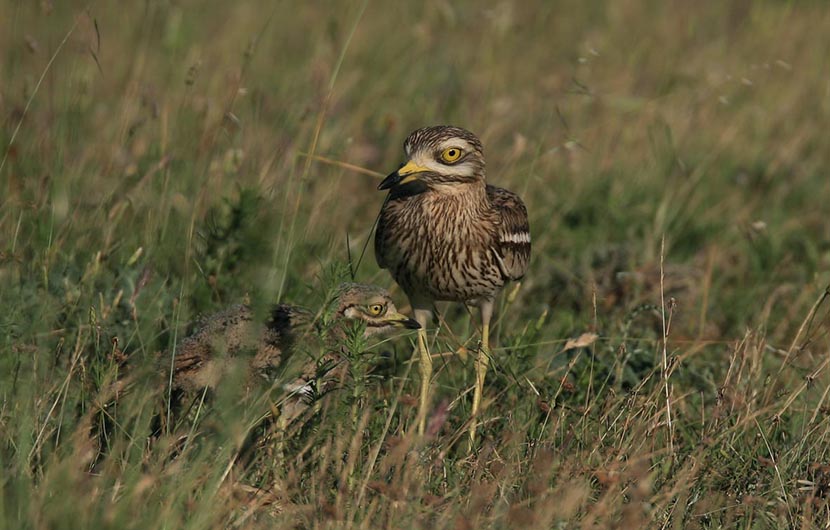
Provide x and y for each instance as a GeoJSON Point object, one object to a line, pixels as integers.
{"type": "Point", "coordinates": [373, 306]}
{"type": "Point", "coordinates": [440, 157]}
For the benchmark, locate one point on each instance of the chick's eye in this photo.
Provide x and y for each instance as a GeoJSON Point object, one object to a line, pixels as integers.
{"type": "Point", "coordinates": [375, 309]}
{"type": "Point", "coordinates": [451, 154]}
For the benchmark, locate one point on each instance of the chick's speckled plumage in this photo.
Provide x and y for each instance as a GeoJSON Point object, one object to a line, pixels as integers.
{"type": "Point", "coordinates": [233, 336]}
{"type": "Point", "coordinates": [206, 355]}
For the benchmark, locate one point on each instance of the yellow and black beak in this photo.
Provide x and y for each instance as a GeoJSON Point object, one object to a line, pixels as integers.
{"type": "Point", "coordinates": [403, 321]}
{"type": "Point", "coordinates": [406, 174]}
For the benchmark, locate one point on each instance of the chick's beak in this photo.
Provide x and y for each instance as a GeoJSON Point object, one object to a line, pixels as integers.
{"type": "Point", "coordinates": [403, 321]}
{"type": "Point", "coordinates": [406, 173]}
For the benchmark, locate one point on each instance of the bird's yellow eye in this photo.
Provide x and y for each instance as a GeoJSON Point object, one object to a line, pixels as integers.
{"type": "Point", "coordinates": [375, 309]}
{"type": "Point", "coordinates": [451, 154]}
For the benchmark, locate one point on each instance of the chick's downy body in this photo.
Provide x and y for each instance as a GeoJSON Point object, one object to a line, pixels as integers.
{"type": "Point", "coordinates": [234, 337]}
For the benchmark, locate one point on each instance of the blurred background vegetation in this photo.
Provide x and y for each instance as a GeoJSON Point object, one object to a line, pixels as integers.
{"type": "Point", "coordinates": [163, 159]}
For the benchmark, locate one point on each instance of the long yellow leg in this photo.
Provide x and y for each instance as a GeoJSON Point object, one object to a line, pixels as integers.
{"type": "Point", "coordinates": [482, 362]}
{"type": "Point", "coordinates": [425, 366]}
{"type": "Point", "coordinates": [423, 314]}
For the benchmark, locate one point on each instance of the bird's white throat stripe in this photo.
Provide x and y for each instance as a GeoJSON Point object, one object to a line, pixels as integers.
{"type": "Point", "coordinates": [516, 237]}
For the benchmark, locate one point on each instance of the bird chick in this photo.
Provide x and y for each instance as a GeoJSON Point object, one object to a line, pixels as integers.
{"type": "Point", "coordinates": [221, 340]}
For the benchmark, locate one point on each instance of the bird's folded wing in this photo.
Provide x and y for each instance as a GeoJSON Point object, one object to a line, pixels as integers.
{"type": "Point", "coordinates": [512, 245]}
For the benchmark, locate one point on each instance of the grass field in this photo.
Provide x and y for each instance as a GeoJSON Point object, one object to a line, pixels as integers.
{"type": "Point", "coordinates": [664, 364]}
